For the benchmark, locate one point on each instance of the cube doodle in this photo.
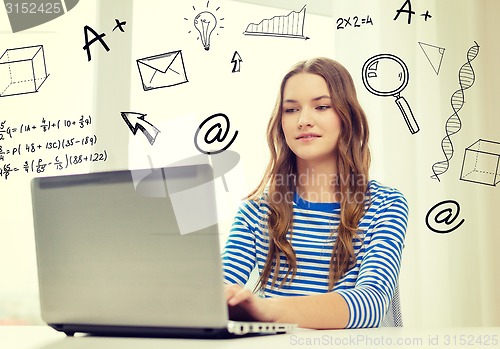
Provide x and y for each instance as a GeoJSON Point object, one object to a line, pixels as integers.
{"type": "Point", "coordinates": [481, 163]}
{"type": "Point", "coordinates": [22, 70]}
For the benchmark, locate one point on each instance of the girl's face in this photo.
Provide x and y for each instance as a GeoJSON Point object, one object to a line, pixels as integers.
{"type": "Point", "coordinates": [309, 122]}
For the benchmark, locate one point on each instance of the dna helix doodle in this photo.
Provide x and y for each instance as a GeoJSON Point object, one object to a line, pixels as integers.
{"type": "Point", "coordinates": [466, 78]}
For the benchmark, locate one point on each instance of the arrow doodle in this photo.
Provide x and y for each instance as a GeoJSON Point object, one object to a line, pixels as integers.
{"type": "Point", "coordinates": [236, 60]}
{"type": "Point", "coordinates": [135, 121]}
{"type": "Point", "coordinates": [466, 79]}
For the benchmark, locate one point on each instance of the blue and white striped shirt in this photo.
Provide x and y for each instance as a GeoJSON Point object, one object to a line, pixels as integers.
{"type": "Point", "coordinates": [367, 288]}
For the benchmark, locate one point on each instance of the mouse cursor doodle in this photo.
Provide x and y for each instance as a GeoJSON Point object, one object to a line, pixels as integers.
{"type": "Point", "coordinates": [135, 121]}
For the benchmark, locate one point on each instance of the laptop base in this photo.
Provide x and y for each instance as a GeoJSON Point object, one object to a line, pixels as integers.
{"type": "Point", "coordinates": [153, 332]}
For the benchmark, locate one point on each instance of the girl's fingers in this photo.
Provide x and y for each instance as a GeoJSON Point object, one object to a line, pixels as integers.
{"type": "Point", "coordinates": [230, 290]}
{"type": "Point", "coordinates": [239, 296]}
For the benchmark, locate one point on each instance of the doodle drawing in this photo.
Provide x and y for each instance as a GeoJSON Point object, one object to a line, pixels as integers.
{"type": "Point", "coordinates": [210, 125]}
{"type": "Point", "coordinates": [287, 26]}
{"type": "Point", "coordinates": [236, 60]}
{"type": "Point", "coordinates": [406, 8]}
{"type": "Point", "coordinates": [162, 70]}
{"type": "Point", "coordinates": [442, 216]}
{"type": "Point", "coordinates": [434, 55]}
{"type": "Point", "coordinates": [22, 70]}
{"type": "Point", "coordinates": [205, 23]}
{"type": "Point", "coordinates": [136, 121]}
{"type": "Point", "coordinates": [387, 75]}
{"type": "Point", "coordinates": [481, 163]}
{"type": "Point", "coordinates": [466, 78]}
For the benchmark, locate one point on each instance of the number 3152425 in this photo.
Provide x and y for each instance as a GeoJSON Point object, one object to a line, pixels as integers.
{"type": "Point", "coordinates": [33, 8]}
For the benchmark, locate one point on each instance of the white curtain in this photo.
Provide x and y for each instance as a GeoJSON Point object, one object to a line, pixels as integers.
{"type": "Point", "coordinates": [447, 279]}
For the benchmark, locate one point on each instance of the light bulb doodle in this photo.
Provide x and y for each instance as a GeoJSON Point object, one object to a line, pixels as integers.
{"type": "Point", "coordinates": [466, 78]}
{"type": "Point", "coordinates": [205, 23]}
{"type": "Point", "coordinates": [387, 75]}
{"type": "Point", "coordinates": [444, 212]}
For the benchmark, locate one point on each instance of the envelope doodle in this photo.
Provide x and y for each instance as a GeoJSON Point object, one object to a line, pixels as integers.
{"type": "Point", "coordinates": [22, 70]}
{"type": "Point", "coordinates": [162, 70]}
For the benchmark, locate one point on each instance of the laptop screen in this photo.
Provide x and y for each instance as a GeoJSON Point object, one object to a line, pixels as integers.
{"type": "Point", "coordinates": [133, 248]}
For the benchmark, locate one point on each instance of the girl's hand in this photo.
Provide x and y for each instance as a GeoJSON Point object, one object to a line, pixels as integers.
{"type": "Point", "coordinates": [246, 306]}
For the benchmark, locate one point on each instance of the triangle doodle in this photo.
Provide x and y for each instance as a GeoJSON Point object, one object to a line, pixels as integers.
{"type": "Point", "coordinates": [434, 55]}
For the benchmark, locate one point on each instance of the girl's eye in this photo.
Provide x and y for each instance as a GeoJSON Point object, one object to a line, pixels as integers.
{"type": "Point", "coordinates": [290, 110]}
{"type": "Point", "coordinates": [323, 107]}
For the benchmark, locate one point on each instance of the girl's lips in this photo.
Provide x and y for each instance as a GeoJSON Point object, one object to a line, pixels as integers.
{"type": "Point", "coordinates": [307, 136]}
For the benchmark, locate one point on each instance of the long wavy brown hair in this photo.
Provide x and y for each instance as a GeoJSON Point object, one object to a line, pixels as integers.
{"type": "Point", "coordinates": [353, 162]}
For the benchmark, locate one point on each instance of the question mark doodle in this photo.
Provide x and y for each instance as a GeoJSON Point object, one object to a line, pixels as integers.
{"type": "Point", "coordinates": [220, 135]}
{"type": "Point", "coordinates": [446, 215]}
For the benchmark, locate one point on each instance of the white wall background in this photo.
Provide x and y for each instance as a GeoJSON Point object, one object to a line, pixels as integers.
{"type": "Point", "coordinates": [446, 280]}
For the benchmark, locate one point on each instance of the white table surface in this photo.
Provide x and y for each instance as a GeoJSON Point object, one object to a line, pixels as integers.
{"type": "Point", "coordinates": [44, 337]}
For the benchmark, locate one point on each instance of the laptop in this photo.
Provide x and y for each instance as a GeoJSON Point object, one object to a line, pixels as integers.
{"type": "Point", "coordinates": [134, 253]}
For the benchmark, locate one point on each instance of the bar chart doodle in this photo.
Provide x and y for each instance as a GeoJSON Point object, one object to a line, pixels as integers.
{"type": "Point", "coordinates": [287, 26]}
{"type": "Point", "coordinates": [434, 55]}
{"type": "Point", "coordinates": [466, 78]}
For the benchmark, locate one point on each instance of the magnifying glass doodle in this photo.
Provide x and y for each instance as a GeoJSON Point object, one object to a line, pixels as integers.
{"type": "Point", "coordinates": [387, 75]}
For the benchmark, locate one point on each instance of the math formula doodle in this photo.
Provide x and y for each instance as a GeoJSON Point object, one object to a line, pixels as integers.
{"type": "Point", "coordinates": [353, 22]}
{"type": "Point", "coordinates": [51, 143]}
